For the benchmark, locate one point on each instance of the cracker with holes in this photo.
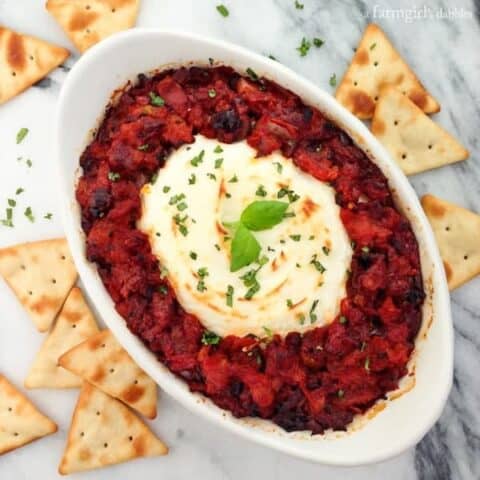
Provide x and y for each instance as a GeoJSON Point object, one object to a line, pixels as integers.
{"type": "Point", "coordinates": [412, 138]}
{"type": "Point", "coordinates": [41, 274]}
{"type": "Point", "coordinates": [87, 22]}
{"type": "Point", "coordinates": [74, 324]}
{"type": "Point", "coordinates": [25, 60]}
{"type": "Point", "coordinates": [20, 421]}
{"type": "Point", "coordinates": [104, 363]}
{"type": "Point", "coordinates": [457, 231]}
{"type": "Point", "coordinates": [105, 432]}
{"type": "Point", "coordinates": [376, 64]}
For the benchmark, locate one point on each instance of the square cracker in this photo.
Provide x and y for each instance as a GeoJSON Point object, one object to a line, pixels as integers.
{"type": "Point", "coordinates": [20, 421]}
{"type": "Point", "coordinates": [40, 274]}
{"type": "Point", "coordinates": [415, 141]}
{"type": "Point", "coordinates": [105, 432]}
{"type": "Point", "coordinates": [74, 324]}
{"type": "Point", "coordinates": [102, 361]}
{"type": "Point", "coordinates": [87, 22]}
{"type": "Point", "coordinates": [457, 231]}
{"type": "Point", "coordinates": [24, 60]}
{"type": "Point", "coordinates": [376, 64]}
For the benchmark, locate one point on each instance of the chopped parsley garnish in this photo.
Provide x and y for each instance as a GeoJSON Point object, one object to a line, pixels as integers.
{"type": "Point", "coordinates": [228, 195]}
{"type": "Point", "coordinates": [196, 161]}
{"type": "Point", "coordinates": [318, 42]}
{"type": "Point", "coordinates": [234, 179]}
{"type": "Point", "coordinates": [229, 296]}
{"type": "Point", "coordinates": [292, 196]}
{"type": "Point", "coordinates": [288, 214]}
{"type": "Point", "coordinates": [218, 162]}
{"type": "Point", "coordinates": [158, 234]}
{"type": "Point", "coordinates": [144, 147]}
{"type": "Point", "coordinates": [29, 163]}
{"type": "Point", "coordinates": [326, 250]}
{"type": "Point", "coordinates": [154, 178]}
{"type": "Point", "coordinates": [367, 364]}
{"type": "Point", "coordinates": [202, 273]}
{"type": "Point", "coordinates": [296, 238]}
{"type": "Point", "coordinates": [176, 198]}
{"type": "Point", "coordinates": [316, 263]}
{"type": "Point", "coordinates": [193, 255]}
{"type": "Point", "coordinates": [301, 318]}
{"type": "Point", "coordinates": [252, 74]}
{"type": "Point", "coordinates": [343, 319]}
{"type": "Point", "coordinates": [182, 206]}
{"type": "Point", "coordinates": [289, 303]}
{"type": "Point", "coordinates": [279, 167]}
{"type": "Point", "coordinates": [21, 134]}
{"type": "Point", "coordinates": [11, 202]}
{"type": "Point", "coordinates": [28, 213]}
{"type": "Point", "coordinates": [261, 192]}
{"type": "Point", "coordinates": [163, 289]}
{"type": "Point", "coordinates": [210, 338]}
{"type": "Point", "coordinates": [211, 176]}
{"type": "Point", "coordinates": [313, 315]}
{"type": "Point", "coordinates": [166, 189]}
{"type": "Point", "coordinates": [180, 222]}
{"type": "Point", "coordinates": [268, 331]}
{"type": "Point", "coordinates": [163, 272]}
{"type": "Point", "coordinates": [218, 149]}
{"type": "Point", "coordinates": [156, 100]}
{"type": "Point", "coordinates": [333, 80]}
{"type": "Point", "coordinates": [298, 5]}
{"type": "Point", "coordinates": [113, 176]}
{"type": "Point", "coordinates": [212, 93]}
{"type": "Point", "coordinates": [311, 237]}
{"type": "Point", "coordinates": [373, 45]}
{"type": "Point", "coordinates": [192, 179]}
{"type": "Point", "coordinates": [271, 57]}
{"type": "Point", "coordinates": [18, 191]}
{"type": "Point", "coordinates": [48, 216]}
{"type": "Point", "coordinates": [217, 246]}
{"type": "Point", "coordinates": [223, 10]}
{"type": "Point", "coordinates": [304, 47]}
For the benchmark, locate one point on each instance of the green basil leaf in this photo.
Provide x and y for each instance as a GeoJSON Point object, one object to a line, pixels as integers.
{"type": "Point", "coordinates": [263, 214]}
{"type": "Point", "coordinates": [244, 250]}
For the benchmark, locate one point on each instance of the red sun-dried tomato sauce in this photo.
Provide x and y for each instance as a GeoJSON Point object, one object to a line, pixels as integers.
{"type": "Point", "coordinates": [315, 381]}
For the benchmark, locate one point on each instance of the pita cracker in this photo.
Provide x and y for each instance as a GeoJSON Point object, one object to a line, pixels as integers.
{"type": "Point", "coordinates": [74, 324]}
{"type": "Point", "coordinates": [87, 22]}
{"type": "Point", "coordinates": [20, 421]}
{"type": "Point", "coordinates": [24, 60]}
{"type": "Point", "coordinates": [457, 231]}
{"type": "Point", "coordinates": [103, 362]}
{"type": "Point", "coordinates": [412, 138]}
{"type": "Point", "coordinates": [105, 432]}
{"type": "Point", "coordinates": [41, 274]}
{"type": "Point", "coordinates": [375, 64]}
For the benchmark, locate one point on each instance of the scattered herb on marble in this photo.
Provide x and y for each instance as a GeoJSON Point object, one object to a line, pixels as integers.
{"type": "Point", "coordinates": [333, 80]}
{"type": "Point", "coordinates": [304, 47]}
{"type": "Point", "coordinates": [223, 10]}
{"type": "Point", "coordinates": [21, 134]}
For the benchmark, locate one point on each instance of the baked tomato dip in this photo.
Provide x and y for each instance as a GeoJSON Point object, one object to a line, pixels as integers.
{"type": "Point", "coordinates": [252, 246]}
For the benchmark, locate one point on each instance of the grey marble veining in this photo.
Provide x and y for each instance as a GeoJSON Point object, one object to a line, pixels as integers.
{"type": "Point", "coordinates": [444, 52]}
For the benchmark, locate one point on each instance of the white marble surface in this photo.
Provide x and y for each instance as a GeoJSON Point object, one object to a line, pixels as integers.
{"type": "Point", "coordinates": [443, 52]}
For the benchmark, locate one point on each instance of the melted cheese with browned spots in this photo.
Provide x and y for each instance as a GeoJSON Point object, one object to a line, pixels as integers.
{"type": "Point", "coordinates": [297, 249]}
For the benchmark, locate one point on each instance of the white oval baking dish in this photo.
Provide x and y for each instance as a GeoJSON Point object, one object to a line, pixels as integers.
{"type": "Point", "coordinates": [392, 425]}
